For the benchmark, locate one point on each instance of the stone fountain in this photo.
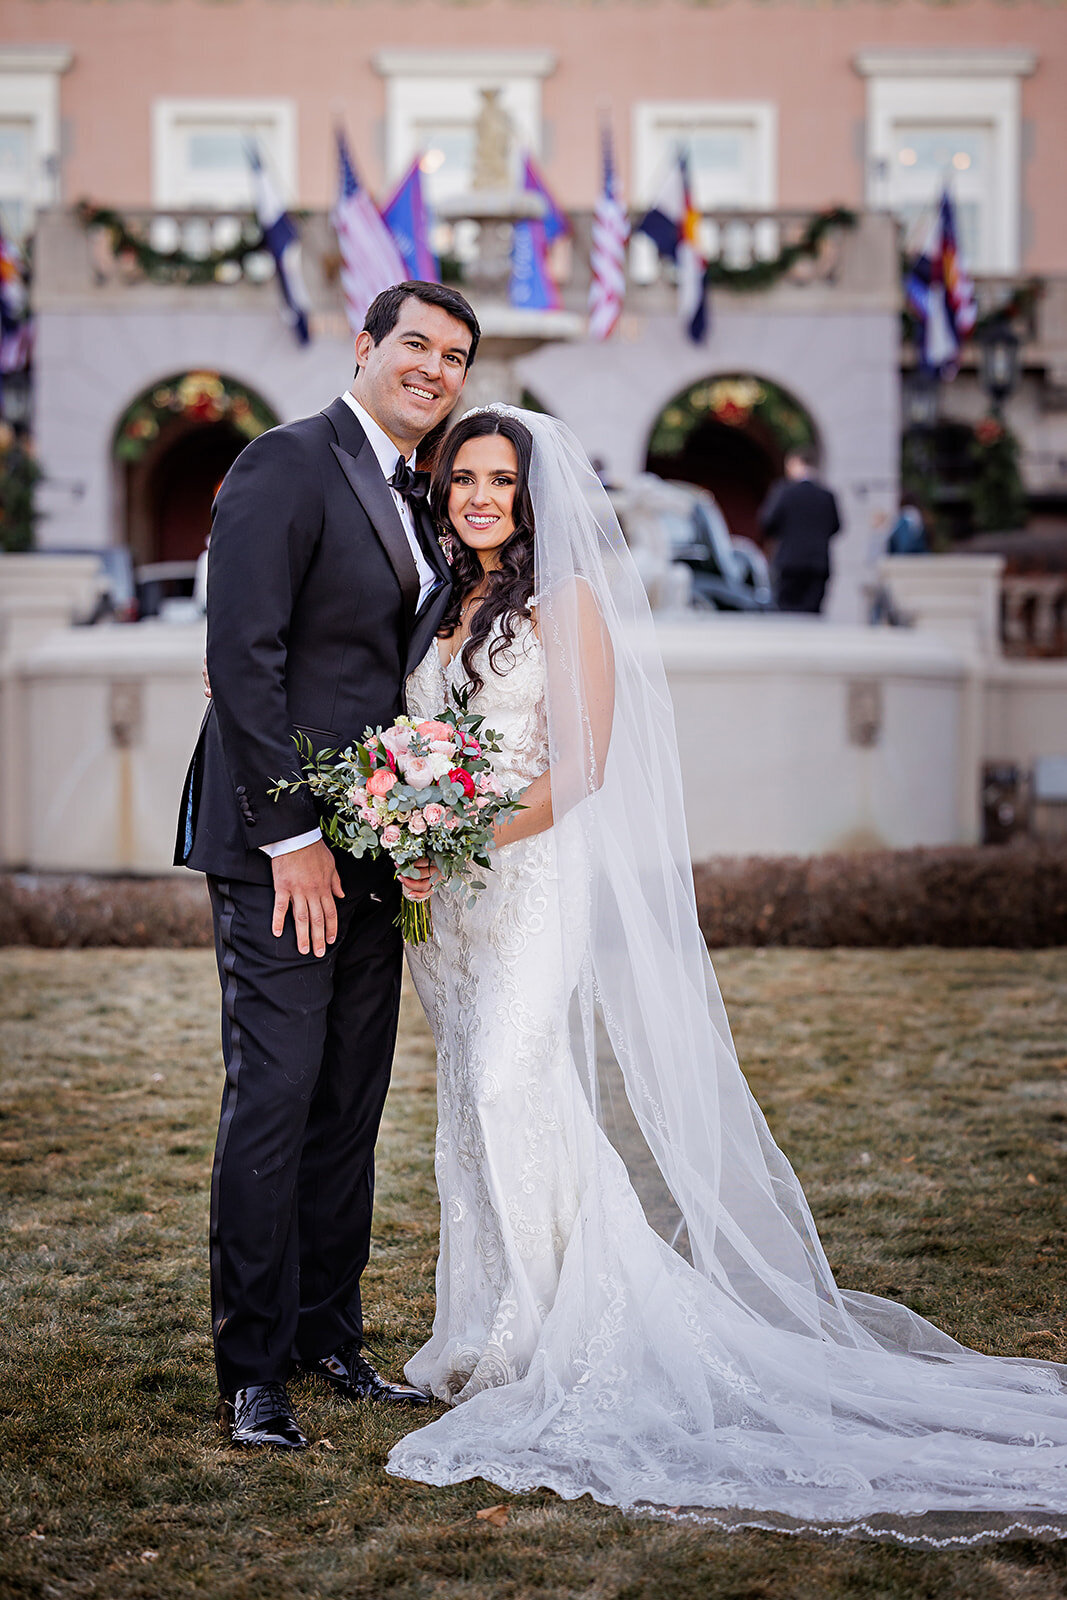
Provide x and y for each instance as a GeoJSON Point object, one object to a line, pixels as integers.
{"type": "Point", "coordinates": [495, 205]}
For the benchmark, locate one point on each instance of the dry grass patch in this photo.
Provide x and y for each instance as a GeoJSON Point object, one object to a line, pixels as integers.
{"type": "Point", "coordinates": [918, 1092]}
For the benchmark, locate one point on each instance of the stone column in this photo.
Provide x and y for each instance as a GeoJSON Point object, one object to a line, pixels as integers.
{"type": "Point", "coordinates": [957, 598]}
{"type": "Point", "coordinates": [39, 595]}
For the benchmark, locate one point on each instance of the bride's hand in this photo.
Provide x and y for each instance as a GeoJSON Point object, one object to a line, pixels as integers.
{"type": "Point", "coordinates": [420, 880]}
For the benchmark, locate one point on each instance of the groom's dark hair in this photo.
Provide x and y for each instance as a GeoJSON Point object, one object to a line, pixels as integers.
{"type": "Point", "coordinates": [384, 309]}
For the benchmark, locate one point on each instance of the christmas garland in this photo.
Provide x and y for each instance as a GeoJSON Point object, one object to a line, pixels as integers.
{"type": "Point", "coordinates": [1018, 306]}
{"type": "Point", "coordinates": [196, 396]}
{"type": "Point", "coordinates": [171, 266]}
{"type": "Point", "coordinates": [765, 274]}
{"type": "Point", "coordinates": [734, 400]}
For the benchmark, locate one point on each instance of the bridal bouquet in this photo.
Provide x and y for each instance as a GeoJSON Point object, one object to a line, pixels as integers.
{"type": "Point", "coordinates": [415, 790]}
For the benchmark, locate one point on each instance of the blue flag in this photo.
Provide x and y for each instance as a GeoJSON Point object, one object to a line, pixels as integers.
{"type": "Point", "coordinates": [283, 242]}
{"type": "Point", "coordinates": [407, 217]}
{"type": "Point", "coordinates": [532, 287]}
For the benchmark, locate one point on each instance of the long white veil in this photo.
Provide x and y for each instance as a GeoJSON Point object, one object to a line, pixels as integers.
{"type": "Point", "coordinates": [811, 1407]}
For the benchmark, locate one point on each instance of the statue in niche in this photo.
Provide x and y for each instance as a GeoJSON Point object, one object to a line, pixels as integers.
{"type": "Point", "coordinates": [492, 144]}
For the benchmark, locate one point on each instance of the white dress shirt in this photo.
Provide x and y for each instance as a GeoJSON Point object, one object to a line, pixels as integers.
{"type": "Point", "coordinates": [386, 454]}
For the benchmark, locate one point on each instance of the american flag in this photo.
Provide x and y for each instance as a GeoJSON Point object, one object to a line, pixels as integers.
{"type": "Point", "coordinates": [611, 230]}
{"type": "Point", "coordinates": [370, 260]}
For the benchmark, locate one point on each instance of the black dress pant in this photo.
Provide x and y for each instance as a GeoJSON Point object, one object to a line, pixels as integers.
{"type": "Point", "coordinates": [801, 588]}
{"type": "Point", "coordinates": [308, 1046]}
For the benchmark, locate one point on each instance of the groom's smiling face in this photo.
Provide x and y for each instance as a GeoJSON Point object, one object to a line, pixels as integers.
{"type": "Point", "coordinates": [411, 379]}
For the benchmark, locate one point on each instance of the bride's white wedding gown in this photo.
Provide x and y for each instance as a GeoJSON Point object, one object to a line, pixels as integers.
{"type": "Point", "coordinates": [585, 1355]}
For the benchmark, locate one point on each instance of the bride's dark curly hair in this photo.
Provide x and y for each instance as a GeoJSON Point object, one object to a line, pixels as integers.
{"type": "Point", "coordinates": [511, 583]}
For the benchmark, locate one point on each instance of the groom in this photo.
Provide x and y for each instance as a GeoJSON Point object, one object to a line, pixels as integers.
{"type": "Point", "coordinates": [326, 587]}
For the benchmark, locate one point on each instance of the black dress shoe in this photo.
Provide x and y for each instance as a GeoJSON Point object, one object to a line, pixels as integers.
{"type": "Point", "coordinates": [262, 1415]}
{"type": "Point", "coordinates": [350, 1373]}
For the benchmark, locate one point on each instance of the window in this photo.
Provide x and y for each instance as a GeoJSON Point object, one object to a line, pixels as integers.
{"type": "Point", "coordinates": [433, 100]}
{"type": "Point", "coordinates": [199, 151]}
{"type": "Point", "coordinates": [29, 132]}
{"type": "Point", "coordinates": [732, 146]}
{"type": "Point", "coordinates": [937, 117]}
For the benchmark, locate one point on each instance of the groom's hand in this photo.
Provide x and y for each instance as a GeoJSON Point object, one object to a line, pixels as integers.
{"type": "Point", "coordinates": [306, 882]}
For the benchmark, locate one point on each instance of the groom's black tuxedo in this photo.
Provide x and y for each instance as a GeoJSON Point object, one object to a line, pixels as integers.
{"type": "Point", "coordinates": [312, 624]}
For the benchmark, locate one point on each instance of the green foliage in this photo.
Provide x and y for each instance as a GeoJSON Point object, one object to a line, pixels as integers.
{"type": "Point", "coordinates": [171, 266]}
{"type": "Point", "coordinates": [734, 399]}
{"type": "Point", "coordinates": [999, 498]}
{"type": "Point", "coordinates": [971, 472]}
{"type": "Point", "coordinates": [765, 274]}
{"type": "Point", "coordinates": [202, 397]}
{"type": "Point", "coordinates": [19, 475]}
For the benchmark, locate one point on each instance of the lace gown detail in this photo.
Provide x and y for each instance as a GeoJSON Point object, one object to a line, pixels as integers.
{"type": "Point", "coordinates": [589, 1356]}
{"type": "Point", "coordinates": [505, 1154]}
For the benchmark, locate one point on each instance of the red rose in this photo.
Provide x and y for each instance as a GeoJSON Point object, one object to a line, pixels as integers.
{"type": "Point", "coordinates": [464, 779]}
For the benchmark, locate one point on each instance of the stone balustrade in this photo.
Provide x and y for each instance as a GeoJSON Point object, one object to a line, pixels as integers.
{"type": "Point", "coordinates": [1035, 614]}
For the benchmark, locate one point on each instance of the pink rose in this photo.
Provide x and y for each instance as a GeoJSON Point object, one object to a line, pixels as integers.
{"type": "Point", "coordinates": [483, 800]}
{"type": "Point", "coordinates": [370, 816]}
{"type": "Point", "coordinates": [397, 740]}
{"type": "Point", "coordinates": [481, 782]}
{"type": "Point", "coordinates": [416, 822]}
{"type": "Point", "coordinates": [433, 813]}
{"type": "Point", "coordinates": [391, 834]}
{"type": "Point", "coordinates": [452, 822]}
{"type": "Point", "coordinates": [356, 796]}
{"type": "Point", "coordinates": [433, 730]}
{"type": "Point", "coordinates": [469, 744]}
{"type": "Point", "coordinates": [417, 771]}
{"type": "Point", "coordinates": [464, 779]}
{"type": "Point", "coordinates": [380, 782]}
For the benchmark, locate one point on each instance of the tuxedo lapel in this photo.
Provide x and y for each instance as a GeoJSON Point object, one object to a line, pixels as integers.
{"type": "Point", "coordinates": [360, 467]}
{"type": "Point", "coordinates": [430, 543]}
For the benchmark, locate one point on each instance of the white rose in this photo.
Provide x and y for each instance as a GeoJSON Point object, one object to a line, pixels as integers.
{"type": "Point", "coordinates": [440, 766]}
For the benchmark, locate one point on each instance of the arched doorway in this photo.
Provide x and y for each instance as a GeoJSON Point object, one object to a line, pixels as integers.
{"type": "Point", "coordinates": [729, 434]}
{"type": "Point", "coordinates": [173, 446]}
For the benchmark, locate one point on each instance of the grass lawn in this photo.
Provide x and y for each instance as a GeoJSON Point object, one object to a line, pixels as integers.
{"type": "Point", "coordinates": [919, 1094]}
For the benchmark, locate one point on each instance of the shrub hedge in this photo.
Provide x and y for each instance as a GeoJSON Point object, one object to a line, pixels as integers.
{"type": "Point", "coordinates": [1011, 897]}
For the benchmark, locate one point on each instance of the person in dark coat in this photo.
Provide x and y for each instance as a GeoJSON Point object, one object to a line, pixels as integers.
{"type": "Point", "coordinates": [799, 518]}
{"type": "Point", "coordinates": [327, 584]}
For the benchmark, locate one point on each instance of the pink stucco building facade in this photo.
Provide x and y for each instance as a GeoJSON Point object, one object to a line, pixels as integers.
{"type": "Point", "coordinates": [785, 108]}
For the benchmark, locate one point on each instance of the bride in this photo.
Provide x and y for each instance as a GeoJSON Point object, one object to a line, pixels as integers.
{"type": "Point", "coordinates": [709, 1363]}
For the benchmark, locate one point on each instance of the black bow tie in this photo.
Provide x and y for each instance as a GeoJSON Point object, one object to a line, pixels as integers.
{"type": "Point", "coordinates": [411, 485]}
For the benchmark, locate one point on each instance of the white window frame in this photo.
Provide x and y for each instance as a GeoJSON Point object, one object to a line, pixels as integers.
{"type": "Point", "coordinates": [953, 86]}
{"type": "Point", "coordinates": [169, 112]}
{"type": "Point", "coordinates": [424, 84]}
{"type": "Point", "coordinates": [761, 115]}
{"type": "Point", "coordinates": [648, 117]}
{"type": "Point", "coordinates": [29, 90]}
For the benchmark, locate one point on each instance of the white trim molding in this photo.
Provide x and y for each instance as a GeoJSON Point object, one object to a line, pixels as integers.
{"type": "Point", "coordinates": [55, 58]}
{"type": "Point", "coordinates": [489, 64]}
{"type": "Point", "coordinates": [945, 63]}
{"type": "Point", "coordinates": [427, 87]}
{"type": "Point", "coordinates": [760, 117]}
{"type": "Point", "coordinates": [273, 121]}
{"type": "Point", "coordinates": [953, 88]}
{"type": "Point", "coordinates": [29, 96]}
